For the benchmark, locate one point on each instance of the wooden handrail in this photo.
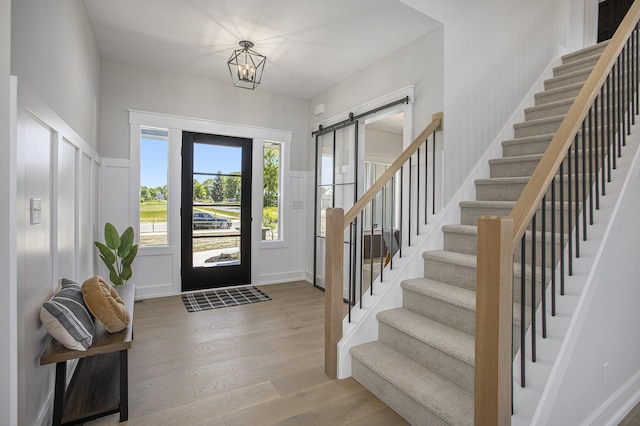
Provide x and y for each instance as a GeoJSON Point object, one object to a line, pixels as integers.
{"type": "Point", "coordinates": [337, 221]}
{"type": "Point", "coordinates": [495, 253]}
{"type": "Point", "coordinates": [549, 164]}
{"type": "Point", "coordinates": [435, 125]}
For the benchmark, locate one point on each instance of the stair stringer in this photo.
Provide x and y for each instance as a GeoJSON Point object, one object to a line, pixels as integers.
{"type": "Point", "coordinates": [534, 405]}
{"type": "Point", "coordinates": [363, 327]}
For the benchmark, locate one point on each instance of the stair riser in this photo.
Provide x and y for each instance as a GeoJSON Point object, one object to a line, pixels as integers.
{"type": "Point", "coordinates": [576, 65]}
{"type": "Point", "coordinates": [552, 110]}
{"type": "Point", "coordinates": [534, 145]}
{"type": "Point", "coordinates": [565, 93]}
{"type": "Point", "coordinates": [446, 365]}
{"type": "Point", "coordinates": [584, 53]}
{"type": "Point", "coordinates": [527, 147]}
{"type": "Point", "coordinates": [465, 277]}
{"type": "Point", "coordinates": [469, 214]}
{"type": "Point", "coordinates": [561, 95]}
{"type": "Point", "coordinates": [467, 244]}
{"type": "Point", "coordinates": [454, 316]}
{"type": "Point", "coordinates": [525, 166]}
{"type": "Point", "coordinates": [567, 79]}
{"type": "Point", "coordinates": [535, 128]}
{"type": "Point", "coordinates": [549, 110]}
{"type": "Point", "coordinates": [450, 273]}
{"type": "Point", "coordinates": [398, 401]}
{"type": "Point", "coordinates": [512, 191]}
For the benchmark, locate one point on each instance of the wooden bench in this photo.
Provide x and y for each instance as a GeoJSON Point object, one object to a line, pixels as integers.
{"type": "Point", "coordinates": [99, 386]}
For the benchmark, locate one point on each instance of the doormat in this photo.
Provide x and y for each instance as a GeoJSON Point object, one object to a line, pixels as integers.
{"type": "Point", "coordinates": [215, 299]}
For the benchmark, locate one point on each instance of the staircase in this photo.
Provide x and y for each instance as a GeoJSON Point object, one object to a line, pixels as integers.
{"type": "Point", "coordinates": [422, 366]}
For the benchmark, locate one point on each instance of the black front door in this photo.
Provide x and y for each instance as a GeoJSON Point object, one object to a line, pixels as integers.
{"type": "Point", "coordinates": [216, 211]}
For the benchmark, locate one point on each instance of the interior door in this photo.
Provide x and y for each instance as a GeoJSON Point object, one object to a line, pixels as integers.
{"type": "Point", "coordinates": [216, 211]}
{"type": "Point", "coordinates": [610, 15]}
{"type": "Point", "coordinates": [336, 185]}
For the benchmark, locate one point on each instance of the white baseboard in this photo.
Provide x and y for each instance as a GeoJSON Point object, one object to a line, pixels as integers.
{"type": "Point", "coordinates": [616, 408]}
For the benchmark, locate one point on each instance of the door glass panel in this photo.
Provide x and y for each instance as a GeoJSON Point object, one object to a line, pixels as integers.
{"type": "Point", "coordinates": [217, 202]}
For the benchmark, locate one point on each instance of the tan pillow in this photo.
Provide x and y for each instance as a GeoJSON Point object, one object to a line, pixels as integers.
{"type": "Point", "coordinates": [105, 304]}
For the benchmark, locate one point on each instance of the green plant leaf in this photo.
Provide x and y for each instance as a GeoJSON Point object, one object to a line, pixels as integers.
{"type": "Point", "coordinates": [126, 242]}
{"type": "Point", "coordinates": [115, 278]}
{"type": "Point", "coordinates": [107, 255]}
{"type": "Point", "coordinates": [109, 265]}
{"type": "Point", "coordinates": [128, 260]}
{"type": "Point", "coordinates": [111, 236]}
{"type": "Point", "coordinates": [126, 272]}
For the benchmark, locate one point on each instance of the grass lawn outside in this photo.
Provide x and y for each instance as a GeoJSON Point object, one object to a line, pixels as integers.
{"type": "Point", "coordinates": [153, 211]}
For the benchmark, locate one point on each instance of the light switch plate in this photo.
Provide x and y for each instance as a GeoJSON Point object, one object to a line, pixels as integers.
{"type": "Point", "coordinates": [35, 211]}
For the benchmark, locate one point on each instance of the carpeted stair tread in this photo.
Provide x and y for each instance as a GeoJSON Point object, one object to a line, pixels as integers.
{"type": "Point", "coordinates": [593, 50]}
{"type": "Point", "coordinates": [461, 259]}
{"type": "Point", "coordinates": [454, 295]}
{"type": "Point", "coordinates": [526, 145]}
{"type": "Point", "coordinates": [447, 401]}
{"type": "Point", "coordinates": [446, 339]}
{"type": "Point", "coordinates": [558, 90]}
{"type": "Point", "coordinates": [560, 107]}
{"type": "Point", "coordinates": [571, 77]}
{"type": "Point", "coordinates": [582, 63]}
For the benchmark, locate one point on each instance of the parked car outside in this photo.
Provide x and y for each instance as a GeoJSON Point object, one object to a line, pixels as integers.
{"type": "Point", "coordinates": [207, 220]}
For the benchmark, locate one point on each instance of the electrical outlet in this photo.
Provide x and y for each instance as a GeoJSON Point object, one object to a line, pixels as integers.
{"type": "Point", "coordinates": [605, 374]}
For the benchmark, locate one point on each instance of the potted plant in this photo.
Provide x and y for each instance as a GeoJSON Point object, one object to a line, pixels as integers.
{"type": "Point", "coordinates": [118, 253]}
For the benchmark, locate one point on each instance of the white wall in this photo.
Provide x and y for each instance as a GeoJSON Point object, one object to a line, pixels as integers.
{"type": "Point", "coordinates": [381, 147]}
{"type": "Point", "coordinates": [55, 58]}
{"type": "Point", "coordinates": [418, 64]}
{"type": "Point", "coordinates": [56, 55]}
{"type": "Point", "coordinates": [201, 105]}
{"type": "Point", "coordinates": [127, 87]}
{"type": "Point", "coordinates": [8, 351]}
{"type": "Point", "coordinates": [607, 325]}
{"type": "Point", "coordinates": [494, 51]}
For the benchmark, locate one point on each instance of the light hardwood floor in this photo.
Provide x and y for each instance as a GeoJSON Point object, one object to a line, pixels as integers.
{"type": "Point", "coordinates": [258, 364]}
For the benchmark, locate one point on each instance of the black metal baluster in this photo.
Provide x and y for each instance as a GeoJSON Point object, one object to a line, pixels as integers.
{"type": "Point", "coordinates": [534, 237]}
{"type": "Point", "coordinates": [373, 209]}
{"type": "Point", "coordinates": [433, 178]}
{"type": "Point", "coordinates": [610, 135]}
{"type": "Point", "coordinates": [584, 183]}
{"type": "Point", "coordinates": [361, 254]}
{"type": "Point", "coordinates": [393, 218]}
{"type": "Point", "coordinates": [602, 142]}
{"type": "Point", "coordinates": [628, 104]}
{"type": "Point", "coordinates": [418, 193]}
{"type": "Point", "coordinates": [577, 188]}
{"type": "Point", "coordinates": [590, 160]}
{"type": "Point", "coordinates": [569, 215]}
{"type": "Point", "coordinates": [382, 253]}
{"type": "Point", "coordinates": [596, 149]}
{"type": "Point", "coordinates": [553, 239]}
{"type": "Point", "coordinates": [620, 95]}
{"type": "Point", "coordinates": [614, 114]}
{"type": "Point", "coordinates": [351, 283]}
{"type": "Point", "coordinates": [523, 291]}
{"type": "Point", "coordinates": [426, 180]}
{"type": "Point", "coordinates": [401, 208]}
{"type": "Point", "coordinates": [410, 195]}
{"type": "Point", "coordinates": [543, 272]}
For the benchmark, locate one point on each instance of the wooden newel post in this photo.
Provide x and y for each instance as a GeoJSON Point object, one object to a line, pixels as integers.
{"type": "Point", "coordinates": [494, 312]}
{"type": "Point", "coordinates": [334, 267]}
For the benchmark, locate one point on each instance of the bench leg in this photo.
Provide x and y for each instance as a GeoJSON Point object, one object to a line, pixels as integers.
{"type": "Point", "coordinates": [124, 386]}
{"type": "Point", "coordinates": [58, 398]}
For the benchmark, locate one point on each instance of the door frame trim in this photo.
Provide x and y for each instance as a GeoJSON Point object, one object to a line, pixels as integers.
{"type": "Point", "coordinates": [176, 124]}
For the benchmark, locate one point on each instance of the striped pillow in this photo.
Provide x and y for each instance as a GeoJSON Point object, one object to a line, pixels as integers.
{"type": "Point", "coordinates": [67, 318]}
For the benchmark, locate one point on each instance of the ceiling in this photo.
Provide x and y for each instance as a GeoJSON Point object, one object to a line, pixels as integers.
{"type": "Point", "coordinates": [310, 45]}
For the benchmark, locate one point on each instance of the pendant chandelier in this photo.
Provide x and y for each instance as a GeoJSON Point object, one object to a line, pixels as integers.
{"type": "Point", "coordinates": [246, 66]}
